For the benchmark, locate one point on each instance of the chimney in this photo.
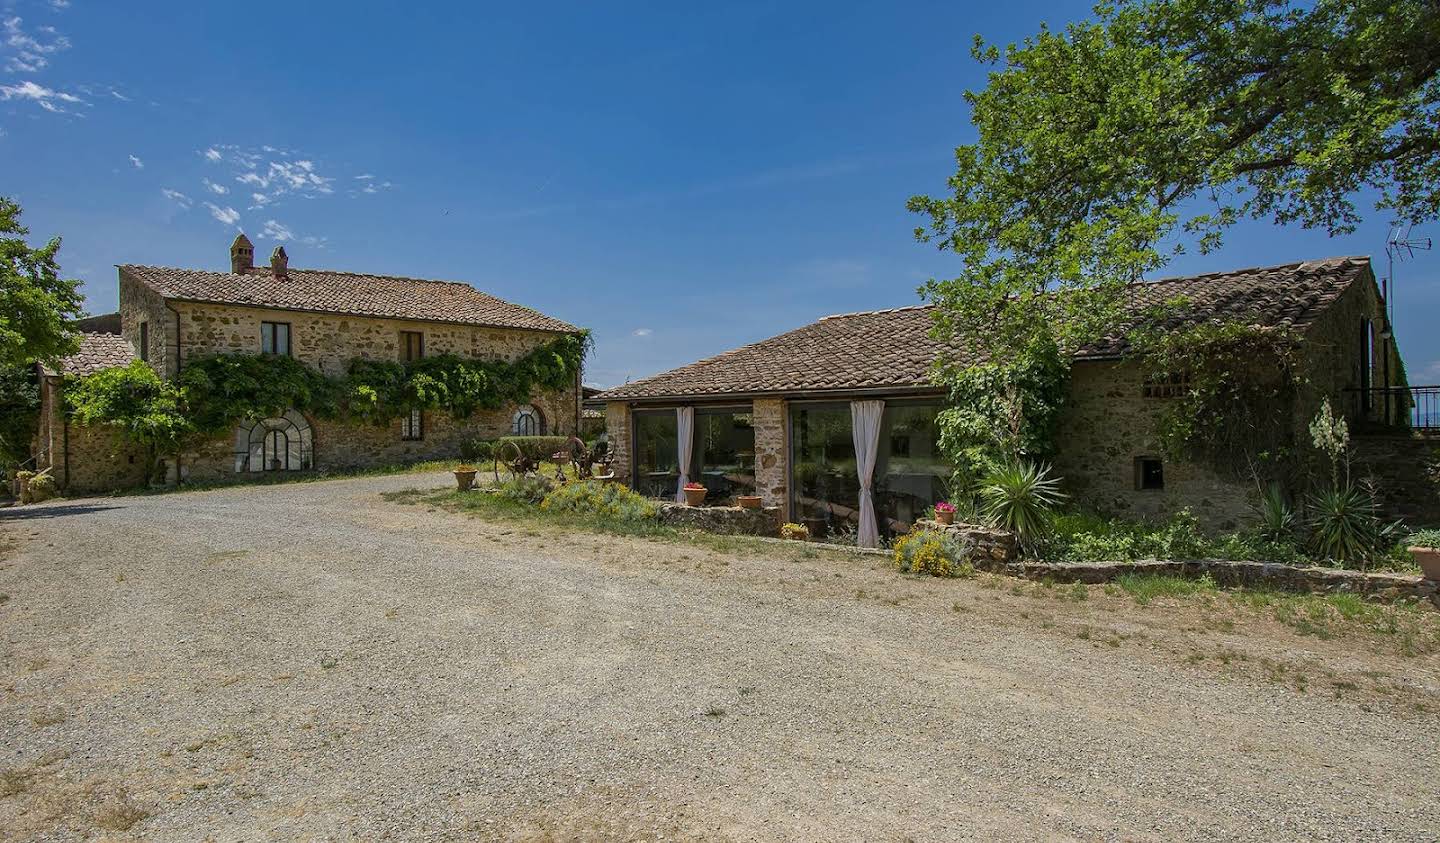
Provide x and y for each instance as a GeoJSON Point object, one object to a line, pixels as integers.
{"type": "Point", "coordinates": [280, 262]}
{"type": "Point", "coordinates": [242, 254]}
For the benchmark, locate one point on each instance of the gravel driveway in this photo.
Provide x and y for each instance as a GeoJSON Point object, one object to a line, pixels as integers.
{"type": "Point", "coordinates": [310, 661]}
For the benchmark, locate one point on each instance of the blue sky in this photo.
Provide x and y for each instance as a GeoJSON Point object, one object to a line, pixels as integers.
{"type": "Point", "coordinates": [680, 180]}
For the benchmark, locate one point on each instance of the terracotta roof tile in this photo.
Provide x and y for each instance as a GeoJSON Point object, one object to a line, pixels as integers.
{"type": "Point", "coordinates": [326, 291]}
{"type": "Point", "coordinates": [894, 348]}
{"type": "Point", "coordinates": [97, 351]}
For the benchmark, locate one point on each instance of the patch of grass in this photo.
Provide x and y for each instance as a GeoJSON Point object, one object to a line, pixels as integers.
{"type": "Point", "coordinates": [1146, 587]}
{"type": "Point", "coordinates": [714, 711]}
{"type": "Point", "coordinates": [47, 716]}
{"type": "Point", "coordinates": [13, 782]}
{"type": "Point", "coordinates": [119, 813]}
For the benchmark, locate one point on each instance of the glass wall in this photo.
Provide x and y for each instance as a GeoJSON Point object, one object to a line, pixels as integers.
{"type": "Point", "coordinates": [657, 466]}
{"type": "Point", "coordinates": [723, 458]}
{"type": "Point", "coordinates": [910, 471]}
{"type": "Point", "coordinates": [825, 490]}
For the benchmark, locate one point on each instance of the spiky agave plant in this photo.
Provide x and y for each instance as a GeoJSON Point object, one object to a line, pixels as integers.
{"type": "Point", "coordinates": [1345, 525]}
{"type": "Point", "coordinates": [1277, 517]}
{"type": "Point", "coordinates": [1021, 497]}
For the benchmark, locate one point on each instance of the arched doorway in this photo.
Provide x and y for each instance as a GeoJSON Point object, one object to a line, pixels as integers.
{"type": "Point", "coordinates": [282, 443]}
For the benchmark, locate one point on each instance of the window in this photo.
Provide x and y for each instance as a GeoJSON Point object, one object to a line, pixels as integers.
{"type": "Point", "coordinates": [527, 422]}
{"type": "Point", "coordinates": [657, 460]}
{"type": "Point", "coordinates": [145, 341]}
{"type": "Point", "coordinates": [1367, 363]}
{"type": "Point", "coordinates": [412, 346]}
{"type": "Point", "coordinates": [412, 426]}
{"type": "Point", "coordinates": [282, 443]}
{"type": "Point", "coordinates": [723, 454]}
{"type": "Point", "coordinates": [1149, 474]}
{"type": "Point", "coordinates": [275, 338]}
{"type": "Point", "coordinates": [1169, 386]}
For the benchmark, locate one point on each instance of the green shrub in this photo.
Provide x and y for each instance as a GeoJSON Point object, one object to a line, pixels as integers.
{"type": "Point", "coordinates": [1081, 537]}
{"type": "Point", "coordinates": [932, 552]}
{"type": "Point", "coordinates": [1424, 538]}
{"type": "Point", "coordinates": [1021, 498]}
{"type": "Point", "coordinates": [477, 450]}
{"type": "Point", "coordinates": [603, 500]}
{"type": "Point", "coordinates": [528, 489]}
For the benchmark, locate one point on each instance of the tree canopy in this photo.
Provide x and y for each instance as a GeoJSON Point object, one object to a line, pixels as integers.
{"type": "Point", "coordinates": [37, 307]}
{"type": "Point", "coordinates": [1106, 149]}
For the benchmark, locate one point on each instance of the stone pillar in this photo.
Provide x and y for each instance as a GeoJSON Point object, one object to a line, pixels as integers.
{"type": "Point", "coordinates": [617, 429]}
{"type": "Point", "coordinates": [772, 458]}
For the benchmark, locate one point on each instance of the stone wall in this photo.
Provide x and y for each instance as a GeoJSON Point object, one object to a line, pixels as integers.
{"type": "Point", "coordinates": [1406, 468]}
{"type": "Point", "coordinates": [772, 466]}
{"type": "Point", "coordinates": [617, 430]}
{"type": "Point", "coordinates": [83, 459]}
{"type": "Point", "coordinates": [1383, 587]}
{"type": "Point", "coordinates": [986, 548]}
{"type": "Point", "coordinates": [1107, 425]}
{"type": "Point", "coordinates": [139, 304]}
{"type": "Point", "coordinates": [732, 520]}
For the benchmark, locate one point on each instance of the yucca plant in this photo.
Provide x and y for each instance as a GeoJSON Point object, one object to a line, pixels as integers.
{"type": "Point", "coordinates": [1021, 497]}
{"type": "Point", "coordinates": [1345, 525]}
{"type": "Point", "coordinates": [1277, 517]}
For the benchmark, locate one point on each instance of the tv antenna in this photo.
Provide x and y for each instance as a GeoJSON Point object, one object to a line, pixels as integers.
{"type": "Point", "coordinates": [1399, 244]}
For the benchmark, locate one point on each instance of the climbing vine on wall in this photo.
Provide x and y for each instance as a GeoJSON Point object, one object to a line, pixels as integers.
{"type": "Point", "coordinates": [1232, 389]}
{"type": "Point", "coordinates": [213, 394]}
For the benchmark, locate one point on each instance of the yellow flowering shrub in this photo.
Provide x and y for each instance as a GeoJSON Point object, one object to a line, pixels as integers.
{"type": "Point", "coordinates": [799, 532]}
{"type": "Point", "coordinates": [931, 552]}
{"type": "Point", "coordinates": [605, 500]}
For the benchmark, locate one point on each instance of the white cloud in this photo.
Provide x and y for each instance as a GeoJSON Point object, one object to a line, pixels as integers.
{"type": "Point", "coordinates": [215, 188]}
{"type": "Point", "coordinates": [177, 197]}
{"type": "Point", "coordinates": [60, 5]}
{"type": "Point", "coordinates": [641, 332]}
{"type": "Point", "coordinates": [137, 163]}
{"type": "Point", "coordinates": [212, 154]}
{"type": "Point", "coordinates": [364, 177]}
{"type": "Point", "coordinates": [28, 52]}
{"type": "Point", "coordinates": [1429, 373]}
{"type": "Point", "coordinates": [42, 96]}
{"type": "Point", "coordinates": [229, 216]}
{"type": "Point", "coordinates": [275, 230]}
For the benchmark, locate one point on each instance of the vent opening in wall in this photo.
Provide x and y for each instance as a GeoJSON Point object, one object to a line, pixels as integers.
{"type": "Point", "coordinates": [1149, 474]}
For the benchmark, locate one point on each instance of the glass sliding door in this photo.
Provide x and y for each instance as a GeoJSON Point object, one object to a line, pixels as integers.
{"type": "Point", "coordinates": [657, 463]}
{"type": "Point", "coordinates": [723, 458]}
{"type": "Point", "coordinates": [824, 488]}
{"type": "Point", "coordinates": [910, 470]}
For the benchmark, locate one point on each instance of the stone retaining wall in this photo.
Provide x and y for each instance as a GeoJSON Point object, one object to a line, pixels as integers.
{"type": "Point", "coordinates": [731, 520]}
{"type": "Point", "coordinates": [1383, 587]}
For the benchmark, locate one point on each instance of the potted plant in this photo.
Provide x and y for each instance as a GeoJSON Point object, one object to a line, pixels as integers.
{"type": "Point", "coordinates": [694, 494]}
{"type": "Point", "coordinates": [465, 477]}
{"type": "Point", "coordinates": [1424, 547]}
{"type": "Point", "coordinates": [747, 501]}
{"type": "Point", "coordinates": [945, 512]}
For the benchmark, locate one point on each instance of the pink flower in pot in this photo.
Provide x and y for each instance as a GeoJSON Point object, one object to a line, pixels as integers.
{"type": "Point", "coordinates": [945, 512]}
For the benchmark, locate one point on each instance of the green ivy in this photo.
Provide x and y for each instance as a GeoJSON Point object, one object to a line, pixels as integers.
{"type": "Point", "coordinates": [1236, 412]}
{"type": "Point", "coordinates": [213, 394]}
{"type": "Point", "coordinates": [1001, 412]}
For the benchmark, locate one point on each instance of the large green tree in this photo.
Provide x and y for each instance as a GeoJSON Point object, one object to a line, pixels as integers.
{"type": "Point", "coordinates": [38, 308]}
{"type": "Point", "coordinates": [1106, 149]}
{"type": "Point", "coordinates": [1109, 147]}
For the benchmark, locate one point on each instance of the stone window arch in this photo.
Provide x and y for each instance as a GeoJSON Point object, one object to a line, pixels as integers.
{"type": "Point", "coordinates": [527, 421]}
{"type": "Point", "coordinates": [282, 443]}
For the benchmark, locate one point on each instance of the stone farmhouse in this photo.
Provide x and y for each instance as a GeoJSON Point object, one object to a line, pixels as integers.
{"type": "Point", "coordinates": [322, 318]}
{"type": "Point", "coordinates": [778, 418]}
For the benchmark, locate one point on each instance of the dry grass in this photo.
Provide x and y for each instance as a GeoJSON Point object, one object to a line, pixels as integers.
{"type": "Point", "coordinates": [118, 812]}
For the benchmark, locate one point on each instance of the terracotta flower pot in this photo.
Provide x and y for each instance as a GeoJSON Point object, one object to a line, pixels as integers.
{"type": "Point", "coordinates": [465, 480]}
{"type": "Point", "coordinates": [748, 501]}
{"type": "Point", "coordinates": [944, 517]}
{"type": "Point", "coordinates": [1428, 558]}
{"type": "Point", "coordinates": [694, 497]}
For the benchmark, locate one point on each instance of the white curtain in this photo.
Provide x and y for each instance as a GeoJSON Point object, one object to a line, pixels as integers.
{"type": "Point", "coordinates": [865, 419]}
{"type": "Point", "coordinates": [685, 430]}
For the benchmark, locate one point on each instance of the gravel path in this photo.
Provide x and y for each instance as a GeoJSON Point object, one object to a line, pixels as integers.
{"type": "Point", "coordinates": [309, 661]}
